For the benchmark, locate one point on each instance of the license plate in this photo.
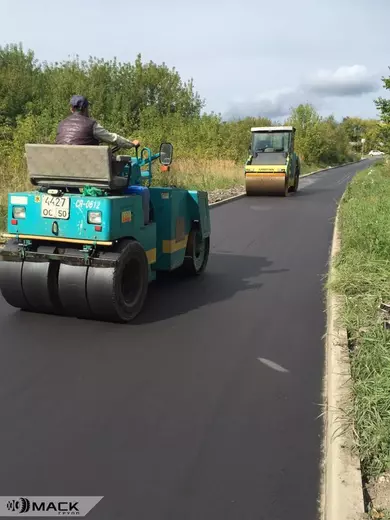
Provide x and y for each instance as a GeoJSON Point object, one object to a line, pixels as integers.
{"type": "Point", "coordinates": [55, 207]}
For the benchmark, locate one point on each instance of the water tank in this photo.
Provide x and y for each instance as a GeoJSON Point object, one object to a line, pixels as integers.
{"type": "Point", "coordinates": [144, 192]}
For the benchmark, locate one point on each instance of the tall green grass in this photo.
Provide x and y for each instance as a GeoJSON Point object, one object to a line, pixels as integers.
{"type": "Point", "coordinates": [363, 280]}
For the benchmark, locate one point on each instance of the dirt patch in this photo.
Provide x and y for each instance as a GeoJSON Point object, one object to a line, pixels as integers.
{"type": "Point", "coordinates": [379, 492]}
{"type": "Point", "coordinates": [222, 194]}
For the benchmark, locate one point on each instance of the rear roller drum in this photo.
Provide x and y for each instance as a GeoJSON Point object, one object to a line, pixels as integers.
{"type": "Point", "coordinates": [39, 280]}
{"type": "Point", "coordinates": [197, 253]}
{"type": "Point", "coordinates": [118, 294]}
{"type": "Point", "coordinates": [11, 285]}
{"type": "Point", "coordinates": [72, 290]}
{"type": "Point", "coordinates": [11, 278]}
{"type": "Point", "coordinates": [30, 286]}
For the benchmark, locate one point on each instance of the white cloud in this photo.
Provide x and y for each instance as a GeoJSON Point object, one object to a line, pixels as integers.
{"type": "Point", "coordinates": [351, 81]}
{"type": "Point", "coordinates": [345, 81]}
{"type": "Point", "coordinates": [274, 105]}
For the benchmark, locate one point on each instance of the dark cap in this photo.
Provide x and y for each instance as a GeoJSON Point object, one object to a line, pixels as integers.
{"type": "Point", "coordinates": [79, 102]}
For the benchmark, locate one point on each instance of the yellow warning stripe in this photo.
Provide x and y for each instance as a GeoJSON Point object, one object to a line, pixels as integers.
{"type": "Point", "coordinates": [265, 168]}
{"type": "Point", "coordinates": [59, 239]}
{"type": "Point", "coordinates": [267, 174]}
{"type": "Point", "coordinates": [151, 255]}
{"type": "Point", "coordinates": [171, 246]}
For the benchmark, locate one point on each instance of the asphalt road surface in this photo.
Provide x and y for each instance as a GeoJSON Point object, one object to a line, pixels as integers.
{"type": "Point", "coordinates": [208, 407]}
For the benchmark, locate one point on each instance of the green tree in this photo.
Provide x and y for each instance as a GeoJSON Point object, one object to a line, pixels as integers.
{"type": "Point", "coordinates": [18, 72]}
{"type": "Point", "coordinates": [357, 129]}
{"type": "Point", "coordinates": [309, 141]}
{"type": "Point", "coordinates": [383, 106]}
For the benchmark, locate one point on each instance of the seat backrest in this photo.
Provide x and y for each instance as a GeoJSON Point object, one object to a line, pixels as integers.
{"type": "Point", "coordinates": [69, 165]}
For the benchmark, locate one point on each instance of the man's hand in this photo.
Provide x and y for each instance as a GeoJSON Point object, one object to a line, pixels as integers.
{"type": "Point", "coordinates": [136, 142]}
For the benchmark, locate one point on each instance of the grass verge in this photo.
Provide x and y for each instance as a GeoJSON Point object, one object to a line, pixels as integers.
{"type": "Point", "coordinates": [362, 278]}
{"type": "Point", "coordinates": [202, 174]}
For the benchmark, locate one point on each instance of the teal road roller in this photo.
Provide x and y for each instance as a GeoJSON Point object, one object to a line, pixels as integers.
{"type": "Point", "coordinates": [93, 232]}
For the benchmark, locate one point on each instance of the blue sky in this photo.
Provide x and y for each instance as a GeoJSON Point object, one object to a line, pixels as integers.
{"type": "Point", "coordinates": [247, 57]}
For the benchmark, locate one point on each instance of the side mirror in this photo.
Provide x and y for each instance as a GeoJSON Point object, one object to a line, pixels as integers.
{"type": "Point", "coordinates": [166, 154]}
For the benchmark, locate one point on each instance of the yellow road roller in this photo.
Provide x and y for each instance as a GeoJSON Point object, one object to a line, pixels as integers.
{"type": "Point", "coordinates": [273, 167]}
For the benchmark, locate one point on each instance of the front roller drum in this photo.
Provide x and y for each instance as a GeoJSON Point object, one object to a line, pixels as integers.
{"type": "Point", "coordinates": [117, 294]}
{"type": "Point", "coordinates": [266, 184]}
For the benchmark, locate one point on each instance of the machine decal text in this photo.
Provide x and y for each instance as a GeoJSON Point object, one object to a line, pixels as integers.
{"type": "Point", "coordinates": [88, 204]}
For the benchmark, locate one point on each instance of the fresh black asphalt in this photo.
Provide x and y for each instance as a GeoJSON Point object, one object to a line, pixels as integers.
{"type": "Point", "coordinates": [208, 406]}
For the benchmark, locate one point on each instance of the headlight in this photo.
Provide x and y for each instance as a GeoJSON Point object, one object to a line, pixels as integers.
{"type": "Point", "coordinates": [19, 212]}
{"type": "Point", "coordinates": [94, 217]}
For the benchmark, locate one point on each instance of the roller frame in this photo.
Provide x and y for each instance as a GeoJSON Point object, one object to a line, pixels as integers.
{"type": "Point", "coordinates": [35, 256]}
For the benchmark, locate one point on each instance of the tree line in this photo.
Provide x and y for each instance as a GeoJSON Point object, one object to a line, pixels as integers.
{"type": "Point", "coordinates": [383, 106]}
{"type": "Point", "coordinates": [151, 102]}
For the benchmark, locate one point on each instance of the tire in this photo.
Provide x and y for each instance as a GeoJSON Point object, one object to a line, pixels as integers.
{"type": "Point", "coordinates": [118, 294]}
{"type": "Point", "coordinates": [286, 188]}
{"type": "Point", "coordinates": [197, 253]}
{"type": "Point", "coordinates": [294, 188]}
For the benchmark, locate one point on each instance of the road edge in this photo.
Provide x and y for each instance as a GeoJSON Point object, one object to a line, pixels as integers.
{"type": "Point", "coordinates": [341, 483]}
{"type": "Point", "coordinates": [331, 168]}
{"type": "Point", "coordinates": [236, 197]}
